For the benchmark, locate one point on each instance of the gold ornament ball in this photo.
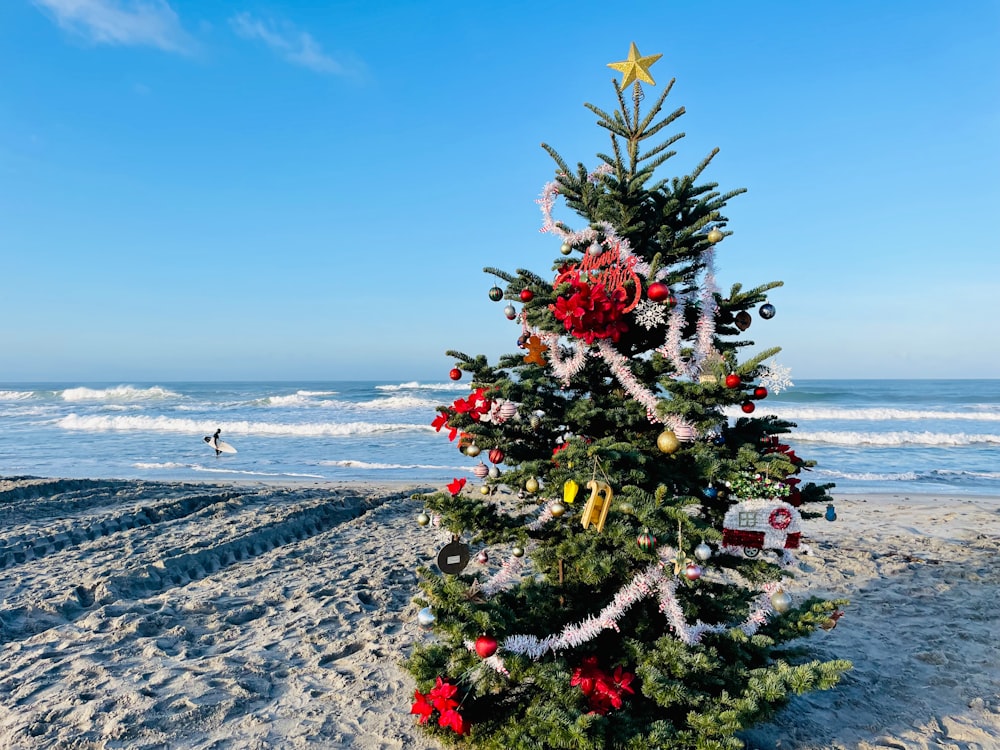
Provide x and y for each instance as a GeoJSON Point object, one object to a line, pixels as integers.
{"type": "Point", "coordinates": [423, 519]}
{"type": "Point", "coordinates": [473, 450]}
{"type": "Point", "coordinates": [484, 489]}
{"type": "Point", "coordinates": [517, 552]}
{"type": "Point", "coordinates": [714, 236]}
{"type": "Point", "coordinates": [667, 442]}
{"type": "Point", "coordinates": [557, 509]}
{"type": "Point", "coordinates": [626, 507]}
{"type": "Point", "coordinates": [781, 601]}
{"type": "Point", "coordinates": [566, 248]}
{"type": "Point", "coordinates": [531, 485]}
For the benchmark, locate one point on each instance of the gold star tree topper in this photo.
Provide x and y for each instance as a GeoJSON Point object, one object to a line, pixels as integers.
{"type": "Point", "coordinates": [635, 67]}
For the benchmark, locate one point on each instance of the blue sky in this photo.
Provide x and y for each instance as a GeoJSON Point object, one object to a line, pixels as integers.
{"type": "Point", "coordinates": [283, 190]}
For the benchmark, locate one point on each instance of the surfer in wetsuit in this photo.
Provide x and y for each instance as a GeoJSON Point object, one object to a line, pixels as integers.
{"type": "Point", "coordinates": [215, 441]}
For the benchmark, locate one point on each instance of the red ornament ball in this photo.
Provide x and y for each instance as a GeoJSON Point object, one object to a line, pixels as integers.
{"type": "Point", "coordinates": [527, 295]}
{"type": "Point", "coordinates": [733, 380]}
{"type": "Point", "coordinates": [486, 646]}
{"type": "Point", "coordinates": [658, 291]}
{"type": "Point", "coordinates": [760, 392]}
{"type": "Point", "coordinates": [692, 572]}
{"type": "Point", "coordinates": [747, 407]}
{"type": "Point", "coordinates": [496, 455]}
{"type": "Point", "coordinates": [455, 374]}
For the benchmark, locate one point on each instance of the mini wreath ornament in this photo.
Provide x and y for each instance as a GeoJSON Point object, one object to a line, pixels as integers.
{"type": "Point", "coordinates": [780, 518]}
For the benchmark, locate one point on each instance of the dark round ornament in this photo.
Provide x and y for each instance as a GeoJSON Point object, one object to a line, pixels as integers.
{"type": "Point", "coordinates": [657, 291]}
{"type": "Point", "coordinates": [510, 312]}
{"type": "Point", "coordinates": [455, 374]}
{"type": "Point", "coordinates": [711, 493]}
{"type": "Point", "coordinates": [767, 311]}
{"type": "Point", "coordinates": [733, 380]}
{"type": "Point", "coordinates": [526, 295]}
{"type": "Point", "coordinates": [747, 407]}
{"type": "Point", "coordinates": [453, 557]}
{"type": "Point", "coordinates": [743, 320]}
{"type": "Point", "coordinates": [496, 294]}
{"type": "Point", "coordinates": [831, 513]}
{"type": "Point", "coordinates": [760, 392]}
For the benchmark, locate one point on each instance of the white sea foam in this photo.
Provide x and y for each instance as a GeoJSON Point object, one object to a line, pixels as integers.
{"type": "Point", "coordinates": [388, 403]}
{"type": "Point", "coordinates": [984, 413]}
{"type": "Point", "coordinates": [868, 476]}
{"type": "Point", "coordinates": [16, 395]}
{"type": "Point", "coordinates": [370, 465]}
{"type": "Point", "coordinates": [118, 393]}
{"type": "Point", "coordinates": [280, 474]}
{"type": "Point", "coordinates": [416, 386]}
{"type": "Point", "coordinates": [943, 439]}
{"type": "Point", "coordinates": [317, 393]}
{"type": "Point", "coordinates": [906, 476]}
{"type": "Point", "coordinates": [105, 423]}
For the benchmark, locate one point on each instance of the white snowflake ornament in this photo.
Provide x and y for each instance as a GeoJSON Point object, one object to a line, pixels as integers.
{"type": "Point", "coordinates": [650, 314]}
{"type": "Point", "coordinates": [776, 378]}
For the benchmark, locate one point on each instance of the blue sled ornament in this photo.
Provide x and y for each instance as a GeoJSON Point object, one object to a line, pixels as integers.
{"type": "Point", "coordinates": [831, 514]}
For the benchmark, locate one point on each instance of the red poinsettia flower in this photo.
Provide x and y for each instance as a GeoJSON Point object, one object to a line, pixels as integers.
{"type": "Point", "coordinates": [624, 680]}
{"type": "Point", "coordinates": [590, 312]}
{"type": "Point", "coordinates": [421, 706]}
{"type": "Point", "coordinates": [441, 420]}
{"type": "Point", "coordinates": [456, 485]}
{"type": "Point", "coordinates": [587, 675]}
{"type": "Point", "coordinates": [604, 691]}
{"type": "Point", "coordinates": [454, 721]}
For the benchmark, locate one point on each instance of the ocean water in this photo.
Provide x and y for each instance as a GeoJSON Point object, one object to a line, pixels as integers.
{"type": "Point", "coordinates": [894, 436]}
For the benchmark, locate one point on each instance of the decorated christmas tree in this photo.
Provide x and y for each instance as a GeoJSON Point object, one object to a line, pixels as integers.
{"type": "Point", "coordinates": [612, 577]}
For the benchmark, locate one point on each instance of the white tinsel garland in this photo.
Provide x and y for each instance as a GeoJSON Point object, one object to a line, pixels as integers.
{"type": "Point", "coordinates": [655, 580]}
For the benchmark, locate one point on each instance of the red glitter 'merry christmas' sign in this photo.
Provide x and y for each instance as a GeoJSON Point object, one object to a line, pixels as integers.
{"type": "Point", "coordinates": [610, 269]}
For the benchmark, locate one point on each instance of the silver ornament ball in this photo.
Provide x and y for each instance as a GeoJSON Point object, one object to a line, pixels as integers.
{"type": "Point", "coordinates": [426, 618]}
{"type": "Point", "coordinates": [703, 552]}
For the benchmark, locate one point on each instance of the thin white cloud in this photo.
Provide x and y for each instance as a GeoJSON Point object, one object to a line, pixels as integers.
{"type": "Point", "coordinates": [293, 45]}
{"type": "Point", "coordinates": [151, 23]}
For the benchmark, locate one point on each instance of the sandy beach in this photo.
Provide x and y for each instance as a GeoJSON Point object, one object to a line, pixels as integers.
{"type": "Point", "coordinates": [193, 615]}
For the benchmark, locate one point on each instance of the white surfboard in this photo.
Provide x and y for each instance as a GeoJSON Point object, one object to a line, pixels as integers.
{"type": "Point", "coordinates": [219, 445]}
